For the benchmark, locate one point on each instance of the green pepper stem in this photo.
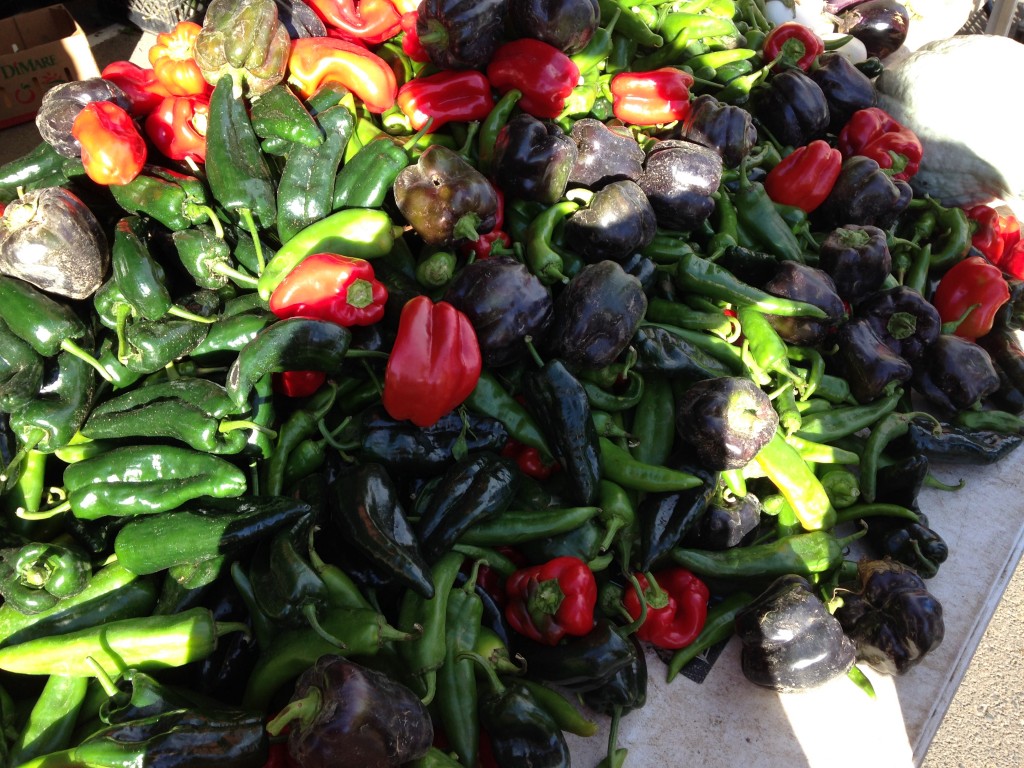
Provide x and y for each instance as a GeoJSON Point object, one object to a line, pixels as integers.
{"type": "Point", "coordinates": [492, 674]}
{"type": "Point", "coordinates": [109, 686]}
{"type": "Point", "coordinates": [69, 346]}
{"type": "Point", "coordinates": [236, 275]}
{"type": "Point", "coordinates": [43, 514]}
{"type": "Point", "coordinates": [250, 225]}
{"type": "Point", "coordinates": [304, 710]}
{"type": "Point", "coordinates": [184, 314]}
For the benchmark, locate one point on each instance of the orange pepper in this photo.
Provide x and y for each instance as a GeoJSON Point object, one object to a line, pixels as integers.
{"type": "Point", "coordinates": [113, 150]}
{"type": "Point", "coordinates": [317, 60]}
{"type": "Point", "coordinates": [174, 63]}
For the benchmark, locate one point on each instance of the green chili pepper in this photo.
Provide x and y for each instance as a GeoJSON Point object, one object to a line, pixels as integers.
{"type": "Point", "coordinates": [821, 453]}
{"type": "Point", "coordinates": [175, 200]}
{"type": "Point", "coordinates": [698, 275]}
{"type": "Point", "coordinates": [425, 654]}
{"type": "Point", "coordinates": [764, 351]}
{"type": "Point", "coordinates": [237, 171]}
{"type": "Point", "coordinates": [681, 30]}
{"type": "Point", "coordinates": [654, 421]}
{"type": "Point", "coordinates": [490, 398]}
{"type": "Point", "coordinates": [364, 233]}
{"type": "Point", "coordinates": [456, 698]}
{"type": "Point", "coordinates": [718, 627]}
{"type": "Point", "coordinates": [619, 466]}
{"type": "Point", "coordinates": [676, 313]}
{"type": "Point", "coordinates": [292, 344]}
{"type": "Point", "coordinates": [305, 192]}
{"type": "Point", "coordinates": [300, 424]}
{"type": "Point", "coordinates": [366, 178]}
{"type": "Point", "coordinates": [830, 425]}
{"type": "Point", "coordinates": [516, 526]}
{"type": "Point", "coordinates": [207, 258]}
{"type": "Point", "coordinates": [795, 479]}
{"type": "Point", "coordinates": [806, 554]}
{"type": "Point", "coordinates": [51, 723]}
{"type": "Point", "coordinates": [148, 642]}
{"type": "Point", "coordinates": [888, 428]}
{"type": "Point", "coordinates": [630, 24]}
{"type": "Point", "coordinates": [280, 113]}
{"type": "Point", "coordinates": [45, 323]}
{"type": "Point", "coordinates": [145, 479]}
{"type": "Point", "coordinates": [541, 257]}
{"type": "Point", "coordinates": [492, 125]}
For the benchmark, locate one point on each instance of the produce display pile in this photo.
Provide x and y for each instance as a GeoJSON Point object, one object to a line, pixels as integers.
{"type": "Point", "coordinates": [380, 380]}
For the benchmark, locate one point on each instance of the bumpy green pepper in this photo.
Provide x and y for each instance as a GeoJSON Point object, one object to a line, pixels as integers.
{"type": "Point", "coordinates": [244, 39]}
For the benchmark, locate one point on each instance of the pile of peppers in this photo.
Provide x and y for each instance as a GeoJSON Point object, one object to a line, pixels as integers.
{"type": "Point", "coordinates": [380, 381]}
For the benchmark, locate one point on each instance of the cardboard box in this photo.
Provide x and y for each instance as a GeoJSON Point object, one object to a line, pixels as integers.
{"type": "Point", "coordinates": [39, 49]}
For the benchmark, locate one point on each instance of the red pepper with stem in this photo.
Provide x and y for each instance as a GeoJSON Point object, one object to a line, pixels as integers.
{"type": "Point", "coordinates": [434, 364]}
{"type": "Point", "coordinates": [451, 95]}
{"type": "Point", "coordinates": [651, 98]}
{"type": "Point", "coordinates": [794, 44]}
{"type": "Point", "coordinates": [367, 21]}
{"type": "Point", "coordinates": [970, 294]}
{"type": "Point", "coordinates": [805, 176]}
{"type": "Point", "coordinates": [873, 132]}
{"type": "Point", "coordinates": [411, 45]}
{"type": "Point", "coordinates": [677, 607]}
{"type": "Point", "coordinates": [139, 84]}
{"type": "Point", "coordinates": [113, 151]}
{"type": "Point", "coordinates": [542, 73]}
{"type": "Point", "coordinates": [177, 127]}
{"type": "Point", "coordinates": [549, 601]}
{"type": "Point", "coordinates": [529, 460]}
{"type": "Point", "coordinates": [993, 233]}
{"type": "Point", "coordinates": [327, 286]}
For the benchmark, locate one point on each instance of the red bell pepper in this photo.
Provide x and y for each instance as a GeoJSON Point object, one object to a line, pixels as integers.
{"type": "Point", "coordinates": [542, 73]}
{"type": "Point", "coordinates": [297, 383]}
{"type": "Point", "coordinates": [873, 132]}
{"type": "Point", "coordinates": [651, 98]}
{"type": "Point", "coordinates": [411, 45]}
{"type": "Point", "coordinates": [314, 61]}
{"type": "Point", "coordinates": [805, 176]}
{"type": "Point", "coordinates": [549, 601]}
{"type": "Point", "coordinates": [793, 43]}
{"type": "Point", "coordinates": [677, 607]}
{"type": "Point", "coordinates": [327, 286]}
{"type": "Point", "coordinates": [435, 362]}
{"type": "Point", "coordinates": [972, 291]}
{"type": "Point", "coordinates": [177, 127]}
{"type": "Point", "coordinates": [993, 233]}
{"type": "Point", "coordinates": [139, 84]}
{"type": "Point", "coordinates": [174, 64]}
{"type": "Point", "coordinates": [451, 95]}
{"type": "Point", "coordinates": [113, 150]}
{"type": "Point", "coordinates": [1012, 262]}
{"type": "Point", "coordinates": [371, 21]}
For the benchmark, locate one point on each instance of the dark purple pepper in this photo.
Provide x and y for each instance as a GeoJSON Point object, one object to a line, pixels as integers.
{"type": "Point", "coordinates": [793, 280]}
{"type": "Point", "coordinates": [533, 159]}
{"type": "Point", "coordinates": [567, 25]}
{"type": "Point", "coordinates": [863, 194]}
{"type": "Point", "coordinates": [867, 364]}
{"type": "Point", "coordinates": [725, 128]}
{"type": "Point", "coordinates": [955, 374]}
{"type": "Point", "coordinates": [793, 108]}
{"type": "Point", "coordinates": [679, 178]}
{"type": "Point", "coordinates": [505, 303]}
{"type": "Point", "coordinates": [857, 258]}
{"type": "Point", "coordinates": [617, 222]}
{"type": "Point", "coordinates": [460, 34]}
{"type": "Point", "coordinates": [604, 155]}
{"type": "Point", "coordinates": [903, 319]}
{"type": "Point", "coordinates": [846, 88]}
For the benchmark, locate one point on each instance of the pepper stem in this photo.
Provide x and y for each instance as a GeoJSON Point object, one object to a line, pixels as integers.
{"type": "Point", "coordinates": [184, 314]}
{"type": "Point", "coordinates": [639, 620]}
{"type": "Point", "coordinates": [106, 683]}
{"type": "Point", "coordinates": [309, 611]}
{"type": "Point", "coordinates": [69, 346]}
{"type": "Point", "coordinates": [303, 710]}
{"type": "Point", "coordinates": [359, 294]}
{"type": "Point", "coordinates": [250, 224]}
{"type": "Point", "coordinates": [492, 674]}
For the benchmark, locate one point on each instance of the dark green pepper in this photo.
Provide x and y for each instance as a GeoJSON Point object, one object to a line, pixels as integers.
{"type": "Point", "coordinates": [175, 200]}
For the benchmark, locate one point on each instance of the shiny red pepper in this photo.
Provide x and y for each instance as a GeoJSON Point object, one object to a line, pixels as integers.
{"type": "Point", "coordinates": [370, 21]}
{"type": "Point", "coordinates": [411, 45]}
{"type": "Point", "coordinates": [113, 151]}
{"type": "Point", "coordinates": [542, 73]}
{"type": "Point", "coordinates": [139, 84]}
{"type": "Point", "coordinates": [873, 132]}
{"type": "Point", "coordinates": [1012, 262]}
{"type": "Point", "coordinates": [651, 98]}
{"type": "Point", "coordinates": [993, 233]}
{"type": "Point", "coordinates": [549, 601]}
{"type": "Point", "coordinates": [805, 176]}
{"type": "Point", "coordinates": [435, 362]}
{"type": "Point", "coordinates": [314, 61]}
{"type": "Point", "coordinates": [972, 289]}
{"type": "Point", "coordinates": [677, 607]}
{"type": "Point", "coordinates": [177, 127]}
{"type": "Point", "coordinates": [327, 286]}
{"type": "Point", "coordinates": [451, 95]}
{"type": "Point", "coordinates": [174, 63]}
{"type": "Point", "coordinates": [794, 44]}
{"type": "Point", "coordinates": [529, 460]}
{"type": "Point", "coordinates": [297, 383]}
